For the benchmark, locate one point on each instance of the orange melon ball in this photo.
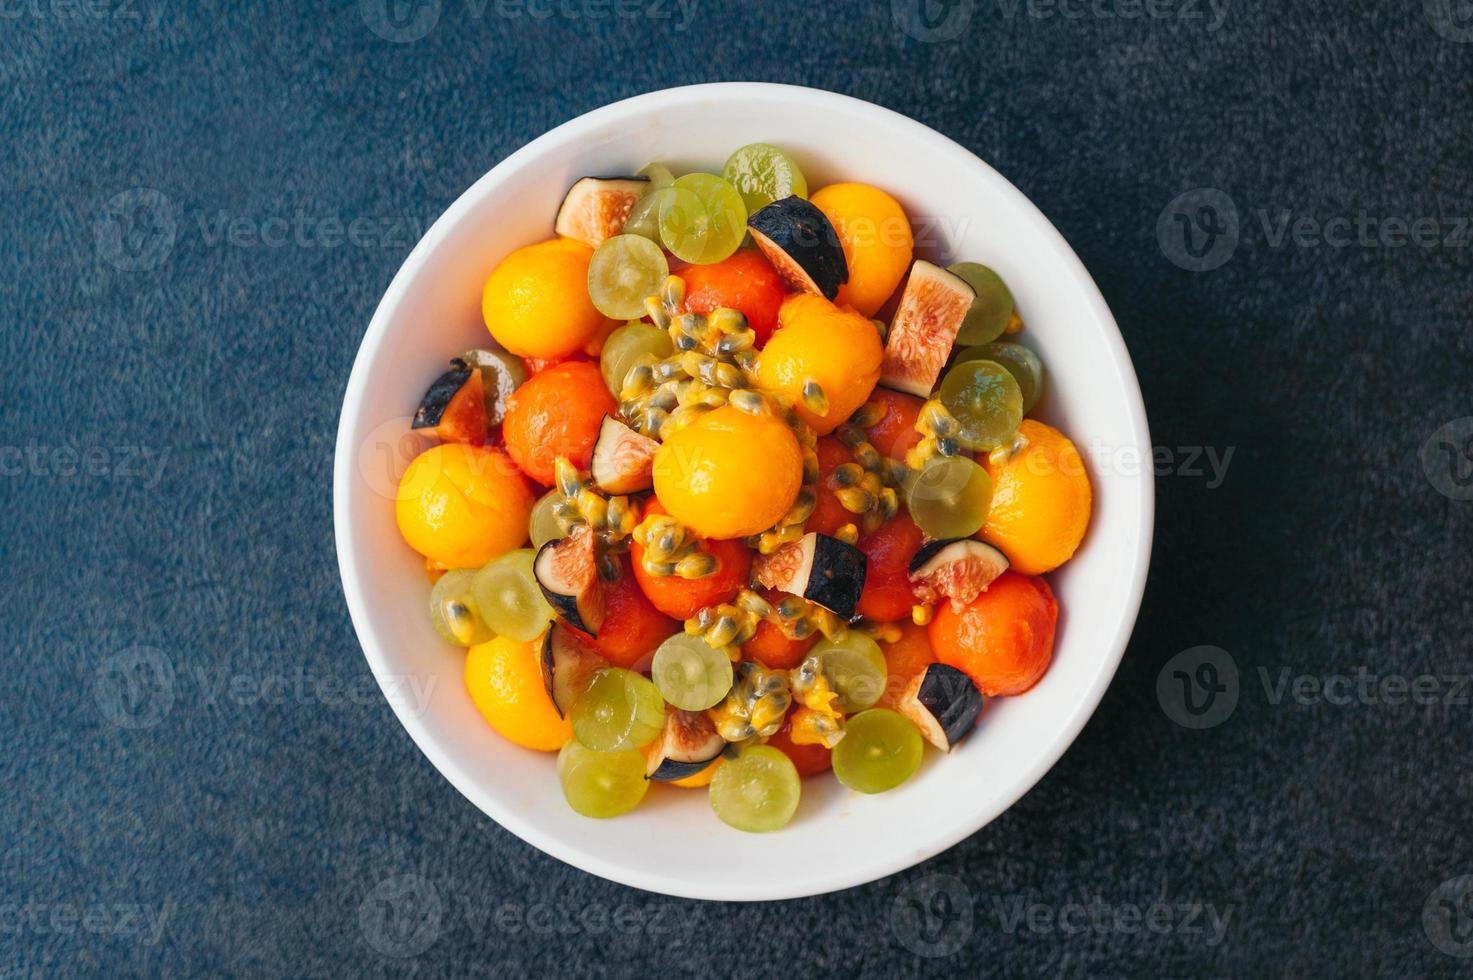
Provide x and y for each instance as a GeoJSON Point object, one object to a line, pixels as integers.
{"type": "Point", "coordinates": [817, 341]}
{"type": "Point", "coordinates": [461, 505]}
{"type": "Point", "coordinates": [877, 240]}
{"type": "Point", "coordinates": [1041, 501]}
{"type": "Point", "coordinates": [729, 474]}
{"type": "Point", "coordinates": [536, 301]}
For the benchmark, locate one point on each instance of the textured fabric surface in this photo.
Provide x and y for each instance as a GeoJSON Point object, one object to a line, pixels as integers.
{"type": "Point", "coordinates": [200, 777]}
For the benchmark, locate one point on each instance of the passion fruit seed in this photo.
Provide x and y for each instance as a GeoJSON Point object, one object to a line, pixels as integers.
{"type": "Point", "coordinates": [938, 429]}
{"type": "Point", "coordinates": [670, 549]}
{"type": "Point", "coordinates": [755, 706]}
{"type": "Point", "coordinates": [818, 721]}
{"type": "Point", "coordinates": [611, 518]}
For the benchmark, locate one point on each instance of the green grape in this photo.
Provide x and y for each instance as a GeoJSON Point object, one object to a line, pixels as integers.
{"type": "Point", "coordinates": [508, 597]}
{"type": "Point", "coordinates": [543, 526]}
{"type": "Point", "coordinates": [644, 217]}
{"type": "Point", "coordinates": [690, 673]}
{"type": "Point", "coordinates": [453, 611]}
{"type": "Point", "coordinates": [625, 271]}
{"type": "Point", "coordinates": [757, 791]}
{"type": "Point", "coordinates": [626, 346]}
{"type": "Point", "coordinates": [762, 173]}
{"type": "Point", "coordinates": [949, 497]}
{"type": "Point", "coordinates": [990, 311]}
{"type": "Point", "coordinates": [985, 400]}
{"type": "Point", "coordinates": [1025, 366]}
{"type": "Point", "coordinates": [659, 175]}
{"type": "Point", "coordinates": [703, 219]}
{"type": "Point", "coordinates": [880, 750]}
{"type": "Point", "coordinates": [618, 710]}
{"type": "Point", "coordinates": [601, 784]}
{"type": "Point", "coordinates": [855, 668]}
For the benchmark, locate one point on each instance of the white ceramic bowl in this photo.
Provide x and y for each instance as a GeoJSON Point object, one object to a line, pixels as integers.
{"type": "Point", "coordinates": [962, 209]}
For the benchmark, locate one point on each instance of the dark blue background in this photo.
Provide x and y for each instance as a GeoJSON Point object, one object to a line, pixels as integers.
{"type": "Point", "coordinates": [170, 399]}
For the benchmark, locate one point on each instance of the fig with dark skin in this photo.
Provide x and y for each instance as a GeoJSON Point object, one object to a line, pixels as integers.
{"type": "Point", "coordinates": [567, 572]}
{"type": "Point", "coordinates": [454, 407]}
{"type": "Point", "coordinates": [688, 744]}
{"type": "Point", "coordinates": [819, 568]}
{"type": "Point", "coordinates": [944, 704]}
{"type": "Point", "coordinates": [802, 246]}
{"type": "Point", "coordinates": [623, 460]}
{"type": "Point", "coordinates": [567, 664]}
{"type": "Point", "coordinates": [959, 570]}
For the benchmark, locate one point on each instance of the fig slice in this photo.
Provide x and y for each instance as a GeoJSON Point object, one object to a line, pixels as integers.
{"type": "Point", "coordinates": [567, 665]}
{"type": "Point", "coordinates": [623, 460]}
{"type": "Point", "coordinates": [802, 246]}
{"type": "Point", "coordinates": [959, 569]}
{"type": "Point", "coordinates": [595, 207]}
{"type": "Point", "coordinates": [944, 704]}
{"type": "Point", "coordinates": [454, 407]}
{"type": "Point", "coordinates": [688, 744]}
{"type": "Point", "coordinates": [819, 568]}
{"type": "Point", "coordinates": [931, 311]}
{"type": "Point", "coordinates": [567, 572]}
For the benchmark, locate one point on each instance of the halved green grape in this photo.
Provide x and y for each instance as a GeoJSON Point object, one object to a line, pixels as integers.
{"type": "Point", "coordinates": [453, 611]}
{"type": "Point", "coordinates": [508, 598]}
{"type": "Point", "coordinates": [990, 311]}
{"type": "Point", "coordinates": [601, 784]}
{"type": "Point", "coordinates": [625, 271]}
{"type": "Point", "coordinates": [618, 710]}
{"type": "Point", "coordinates": [659, 175]}
{"type": "Point", "coordinates": [626, 345]}
{"type": "Point", "coordinates": [880, 750]}
{"type": "Point", "coordinates": [703, 219]}
{"type": "Point", "coordinates": [762, 173]}
{"type": "Point", "coordinates": [949, 497]}
{"type": "Point", "coordinates": [855, 668]}
{"type": "Point", "coordinates": [690, 673]}
{"type": "Point", "coordinates": [1025, 366]}
{"type": "Point", "coordinates": [985, 400]}
{"type": "Point", "coordinates": [644, 217]}
{"type": "Point", "coordinates": [757, 791]}
{"type": "Point", "coordinates": [543, 526]}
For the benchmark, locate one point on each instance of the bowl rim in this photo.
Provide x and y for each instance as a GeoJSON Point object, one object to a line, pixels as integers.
{"type": "Point", "coordinates": [817, 881]}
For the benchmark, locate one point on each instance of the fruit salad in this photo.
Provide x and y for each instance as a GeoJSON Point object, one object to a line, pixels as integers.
{"type": "Point", "coordinates": [740, 492]}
